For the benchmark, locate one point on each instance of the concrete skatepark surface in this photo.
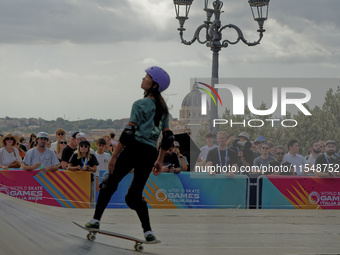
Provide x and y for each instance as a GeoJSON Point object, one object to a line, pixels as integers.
{"type": "Point", "coordinates": [29, 228]}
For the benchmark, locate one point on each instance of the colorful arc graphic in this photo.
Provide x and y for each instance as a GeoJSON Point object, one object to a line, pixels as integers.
{"type": "Point", "coordinates": [213, 90]}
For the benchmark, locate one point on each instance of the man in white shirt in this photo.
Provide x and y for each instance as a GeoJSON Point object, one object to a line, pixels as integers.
{"type": "Point", "coordinates": [102, 157]}
{"type": "Point", "coordinates": [60, 134]}
{"type": "Point", "coordinates": [298, 161]}
{"type": "Point", "coordinates": [41, 157]}
{"type": "Point", "coordinates": [314, 151]}
{"type": "Point", "coordinates": [205, 149]}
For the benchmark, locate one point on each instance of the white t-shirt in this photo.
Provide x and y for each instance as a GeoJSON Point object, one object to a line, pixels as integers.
{"type": "Point", "coordinates": [310, 159]}
{"type": "Point", "coordinates": [54, 146]}
{"type": "Point", "coordinates": [7, 158]}
{"type": "Point", "coordinates": [47, 159]}
{"type": "Point", "coordinates": [298, 162]}
{"type": "Point", "coordinates": [204, 151]}
{"type": "Point", "coordinates": [103, 160]}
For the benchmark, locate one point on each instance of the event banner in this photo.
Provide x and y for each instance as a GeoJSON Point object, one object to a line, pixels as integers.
{"type": "Point", "coordinates": [61, 188]}
{"type": "Point", "coordinates": [182, 191]}
{"type": "Point", "coordinates": [281, 192]}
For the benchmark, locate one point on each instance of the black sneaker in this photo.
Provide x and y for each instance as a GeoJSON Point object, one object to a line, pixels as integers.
{"type": "Point", "coordinates": [92, 225]}
{"type": "Point", "coordinates": [150, 238]}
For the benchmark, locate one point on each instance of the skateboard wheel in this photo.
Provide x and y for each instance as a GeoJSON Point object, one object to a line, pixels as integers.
{"type": "Point", "coordinates": [91, 237]}
{"type": "Point", "coordinates": [139, 247]}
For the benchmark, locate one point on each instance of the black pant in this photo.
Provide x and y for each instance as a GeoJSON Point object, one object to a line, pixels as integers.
{"type": "Point", "coordinates": [141, 157]}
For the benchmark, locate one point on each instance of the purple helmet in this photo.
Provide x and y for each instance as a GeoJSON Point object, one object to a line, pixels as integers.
{"type": "Point", "coordinates": [160, 76]}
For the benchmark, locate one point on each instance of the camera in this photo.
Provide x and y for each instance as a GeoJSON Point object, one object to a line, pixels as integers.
{"type": "Point", "coordinates": [241, 145]}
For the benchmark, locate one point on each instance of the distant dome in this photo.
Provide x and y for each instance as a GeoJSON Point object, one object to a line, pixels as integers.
{"type": "Point", "coordinates": [193, 99]}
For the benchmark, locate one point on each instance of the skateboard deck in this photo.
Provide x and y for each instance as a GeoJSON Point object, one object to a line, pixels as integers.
{"type": "Point", "coordinates": [138, 242]}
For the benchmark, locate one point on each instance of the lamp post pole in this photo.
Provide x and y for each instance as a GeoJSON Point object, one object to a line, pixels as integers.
{"type": "Point", "coordinates": [213, 35]}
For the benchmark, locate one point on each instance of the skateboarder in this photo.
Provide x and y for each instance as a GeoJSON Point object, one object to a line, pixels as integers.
{"type": "Point", "coordinates": [137, 148]}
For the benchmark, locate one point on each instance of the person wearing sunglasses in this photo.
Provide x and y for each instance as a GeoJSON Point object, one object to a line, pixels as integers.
{"type": "Point", "coordinates": [279, 166]}
{"type": "Point", "coordinates": [61, 144]}
{"type": "Point", "coordinates": [59, 134]}
{"type": "Point", "coordinates": [264, 159]}
{"type": "Point", "coordinates": [9, 156]}
{"type": "Point", "coordinates": [83, 159]}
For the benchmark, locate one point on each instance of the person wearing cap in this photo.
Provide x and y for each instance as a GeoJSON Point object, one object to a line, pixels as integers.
{"type": "Point", "coordinates": [41, 157]}
{"type": "Point", "coordinates": [259, 140]}
{"type": "Point", "coordinates": [9, 156]}
{"type": "Point", "coordinates": [171, 162]}
{"type": "Point", "coordinates": [83, 159]}
{"type": "Point", "coordinates": [298, 161]}
{"type": "Point", "coordinates": [244, 137]}
{"type": "Point", "coordinates": [183, 161]}
{"type": "Point", "coordinates": [327, 164]}
{"type": "Point", "coordinates": [82, 137]}
{"type": "Point", "coordinates": [245, 155]}
{"type": "Point", "coordinates": [68, 150]}
{"type": "Point", "coordinates": [137, 149]}
{"type": "Point", "coordinates": [60, 134]}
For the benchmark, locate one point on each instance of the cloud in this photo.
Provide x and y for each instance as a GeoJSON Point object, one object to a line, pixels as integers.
{"type": "Point", "coordinates": [82, 22]}
{"type": "Point", "coordinates": [50, 74]}
{"type": "Point", "coordinates": [186, 63]}
{"type": "Point", "coordinates": [68, 76]}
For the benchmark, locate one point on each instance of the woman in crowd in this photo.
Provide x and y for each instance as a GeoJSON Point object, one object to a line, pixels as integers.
{"type": "Point", "coordinates": [32, 138]}
{"type": "Point", "coordinates": [83, 160]}
{"type": "Point", "coordinates": [61, 144]}
{"type": "Point", "coordinates": [183, 161]}
{"type": "Point", "coordinates": [22, 153]}
{"type": "Point", "coordinates": [9, 156]}
{"type": "Point", "coordinates": [33, 144]}
{"type": "Point", "coordinates": [108, 146]}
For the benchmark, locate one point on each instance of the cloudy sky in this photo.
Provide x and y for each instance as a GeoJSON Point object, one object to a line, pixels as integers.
{"type": "Point", "coordinates": [83, 59]}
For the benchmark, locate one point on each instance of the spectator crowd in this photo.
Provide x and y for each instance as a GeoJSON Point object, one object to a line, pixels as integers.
{"type": "Point", "coordinates": [222, 154]}
{"type": "Point", "coordinates": [241, 155]}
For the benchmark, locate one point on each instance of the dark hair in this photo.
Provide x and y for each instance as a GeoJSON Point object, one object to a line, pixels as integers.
{"type": "Point", "coordinates": [279, 147]}
{"type": "Point", "coordinates": [101, 141]}
{"type": "Point", "coordinates": [33, 143]}
{"type": "Point", "coordinates": [312, 144]}
{"type": "Point", "coordinates": [75, 134]}
{"type": "Point", "coordinates": [291, 143]}
{"type": "Point", "coordinates": [112, 135]}
{"type": "Point", "coordinates": [85, 142]}
{"type": "Point", "coordinates": [161, 107]}
{"type": "Point", "coordinates": [266, 143]}
{"type": "Point", "coordinates": [31, 137]}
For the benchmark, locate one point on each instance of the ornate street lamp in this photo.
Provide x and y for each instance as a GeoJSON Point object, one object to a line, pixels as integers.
{"type": "Point", "coordinates": [213, 32]}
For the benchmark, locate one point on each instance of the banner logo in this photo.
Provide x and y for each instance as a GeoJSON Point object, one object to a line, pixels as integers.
{"type": "Point", "coordinates": [280, 99]}
{"type": "Point", "coordinates": [314, 197]}
{"type": "Point", "coordinates": [204, 97]}
{"type": "Point", "coordinates": [161, 195]}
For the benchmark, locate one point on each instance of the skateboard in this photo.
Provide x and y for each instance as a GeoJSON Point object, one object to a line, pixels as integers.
{"type": "Point", "coordinates": [138, 242]}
